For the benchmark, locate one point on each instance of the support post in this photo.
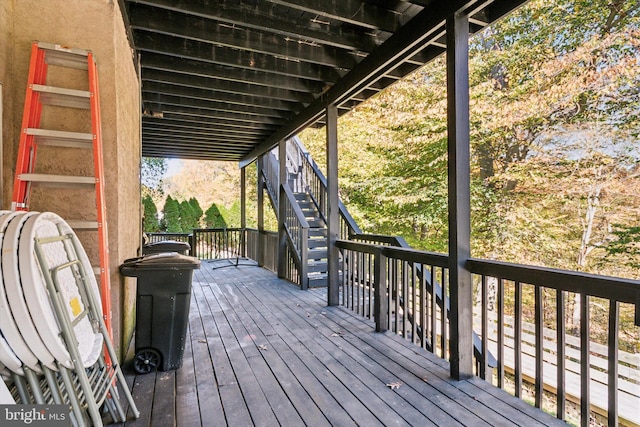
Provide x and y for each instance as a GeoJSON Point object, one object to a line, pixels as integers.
{"type": "Point", "coordinates": [243, 211]}
{"type": "Point", "coordinates": [282, 210]}
{"type": "Point", "coordinates": [381, 301]}
{"type": "Point", "coordinates": [260, 202]}
{"type": "Point", "coordinates": [333, 225]}
{"type": "Point", "coordinates": [460, 283]}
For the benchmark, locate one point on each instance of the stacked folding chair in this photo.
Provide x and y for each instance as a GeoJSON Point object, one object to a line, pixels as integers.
{"type": "Point", "coordinates": [54, 340]}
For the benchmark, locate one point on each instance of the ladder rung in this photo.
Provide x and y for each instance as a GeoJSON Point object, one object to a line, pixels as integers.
{"type": "Point", "coordinates": [96, 270]}
{"type": "Point", "coordinates": [46, 180]}
{"type": "Point", "coordinates": [61, 138]}
{"type": "Point", "coordinates": [64, 56]}
{"type": "Point", "coordinates": [83, 225]}
{"type": "Point", "coordinates": [63, 97]}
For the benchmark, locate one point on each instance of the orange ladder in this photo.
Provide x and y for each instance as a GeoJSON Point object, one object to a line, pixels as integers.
{"type": "Point", "coordinates": [39, 94]}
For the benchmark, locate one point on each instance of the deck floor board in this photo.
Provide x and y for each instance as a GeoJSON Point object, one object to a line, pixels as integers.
{"type": "Point", "coordinates": [261, 352]}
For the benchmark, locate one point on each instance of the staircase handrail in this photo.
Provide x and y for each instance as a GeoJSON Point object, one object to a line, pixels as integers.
{"type": "Point", "coordinates": [269, 172]}
{"type": "Point", "coordinates": [297, 232]}
{"type": "Point", "coordinates": [344, 213]}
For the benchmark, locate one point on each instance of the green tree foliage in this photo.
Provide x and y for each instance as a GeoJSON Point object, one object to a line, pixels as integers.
{"type": "Point", "coordinates": [232, 215]}
{"type": "Point", "coordinates": [197, 210]}
{"type": "Point", "coordinates": [152, 172]}
{"type": "Point", "coordinates": [171, 216]}
{"type": "Point", "coordinates": [188, 218]}
{"type": "Point", "coordinates": [554, 123]}
{"type": "Point", "coordinates": [150, 218]}
{"type": "Point", "coordinates": [213, 217]}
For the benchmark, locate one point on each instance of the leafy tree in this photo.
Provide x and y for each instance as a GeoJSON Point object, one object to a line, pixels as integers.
{"type": "Point", "coordinates": [197, 210]}
{"type": "Point", "coordinates": [152, 172]}
{"type": "Point", "coordinates": [188, 218]}
{"type": "Point", "coordinates": [171, 216]}
{"type": "Point", "coordinates": [150, 217]}
{"type": "Point", "coordinates": [625, 243]}
{"type": "Point", "coordinates": [213, 218]}
{"type": "Point", "coordinates": [232, 215]}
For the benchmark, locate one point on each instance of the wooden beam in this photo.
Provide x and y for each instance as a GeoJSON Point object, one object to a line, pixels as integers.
{"type": "Point", "coordinates": [229, 57]}
{"type": "Point", "coordinates": [460, 280]}
{"type": "Point", "coordinates": [196, 28]}
{"type": "Point", "coordinates": [226, 86]}
{"type": "Point", "coordinates": [333, 223]}
{"type": "Point", "coordinates": [405, 43]}
{"type": "Point", "coordinates": [261, 234]}
{"type": "Point", "coordinates": [282, 212]}
{"type": "Point", "coordinates": [243, 210]}
{"type": "Point", "coordinates": [253, 17]}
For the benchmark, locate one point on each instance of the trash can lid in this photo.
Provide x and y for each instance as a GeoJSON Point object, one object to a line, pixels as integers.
{"type": "Point", "coordinates": [168, 245]}
{"type": "Point", "coordinates": [161, 261]}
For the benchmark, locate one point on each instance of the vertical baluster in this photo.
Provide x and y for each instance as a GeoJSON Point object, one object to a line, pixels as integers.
{"type": "Point", "coordinates": [360, 282]}
{"type": "Point", "coordinates": [414, 298]}
{"type": "Point", "coordinates": [434, 311]}
{"type": "Point", "coordinates": [539, 326]}
{"type": "Point", "coordinates": [405, 299]}
{"type": "Point", "coordinates": [372, 283]}
{"type": "Point", "coordinates": [484, 363]}
{"type": "Point", "coordinates": [517, 337]}
{"type": "Point", "coordinates": [500, 314]}
{"type": "Point", "coordinates": [585, 362]}
{"type": "Point", "coordinates": [443, 314]}
{"type": "Point", "coordinates": [612, 342]}
{"type": "Point", "coordinates": [346, 272]}
{"type": "Point", "coordinates": [424, 311]}
{"type": "Point", "coordinates": [560, 362]}
{"type": "Point", "coordinates": [397, 291]}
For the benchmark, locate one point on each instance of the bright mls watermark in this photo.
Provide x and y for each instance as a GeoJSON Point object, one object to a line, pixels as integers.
{"type": "Point", "coordinates": [35, 415]}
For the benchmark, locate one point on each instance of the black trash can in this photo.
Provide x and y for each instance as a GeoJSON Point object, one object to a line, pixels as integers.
{"type": "Point", "coordinates": [162, 308]}
{"type": "Point", "coordinates": [166, 246]}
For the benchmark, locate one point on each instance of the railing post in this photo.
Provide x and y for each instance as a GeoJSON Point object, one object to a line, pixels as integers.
{"type": "Point", "coordinates": [261, 236]}
{"type": "Point", "coordinates": [282, 210]}
{"type": "Point", "coordinates": [304, 258]}
{"type": "Point", "coordinates": [243, 211]}
{"type": "Point", "coordinates": [333, 223]}
{"type": "Point", "coordinates": [381, 300]}
{"type": "Point", "coordinates": [193, 243]}
{"type": "Point", "coordinates": [460, 283]}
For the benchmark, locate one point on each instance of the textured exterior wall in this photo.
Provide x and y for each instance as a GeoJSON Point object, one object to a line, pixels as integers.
{"type": "Point", "coordinates": [94, 25]}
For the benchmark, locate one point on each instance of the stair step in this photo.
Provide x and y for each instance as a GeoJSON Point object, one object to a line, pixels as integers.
{"type": "Point", "coordinates": [317, 280]}
{"type": "Point", "coordinates": [317, 243]}
{"type": "Point", "coordinates": [317, 267]}
{"type": "Point", "coordinates": [317, 253]}
{"type": "Point", "coordinates": [66, 181]}
{"type": "Point", "coordinates": [315, 223]}
{"type": "Point", "coordinates": [317, 232]}
{"type": "Point", "coordinates": [63, 97]}
{"type": "Point", "coordinates": [61, 138]}
{"type": "Point", "coordinates": [83, 225]}
{"type": "Point", "coordinates": [64, 56]}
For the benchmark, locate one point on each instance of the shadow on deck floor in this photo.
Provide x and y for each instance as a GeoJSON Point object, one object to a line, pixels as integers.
{"type": "Point", "coordinates": [261, 352]}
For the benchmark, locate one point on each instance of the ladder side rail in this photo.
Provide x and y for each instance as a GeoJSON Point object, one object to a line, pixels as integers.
{"type": "Point", "coordinates": [103, 244]}
{"type": "Point", "coordinates": [30, 119]}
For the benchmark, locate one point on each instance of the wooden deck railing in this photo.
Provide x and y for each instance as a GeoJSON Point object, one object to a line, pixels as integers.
{"type": "Point", "coordinates": [395, 287]}
{"type": "Point", "coordinates": [553, 352]}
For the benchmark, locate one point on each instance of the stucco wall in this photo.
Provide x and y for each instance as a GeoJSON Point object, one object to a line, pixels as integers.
{"type": "Point", "coordinates": [94, 25]}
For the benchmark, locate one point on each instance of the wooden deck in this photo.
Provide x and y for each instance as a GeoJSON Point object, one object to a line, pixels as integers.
{"type": "Point", "coordinates": [261, 352]}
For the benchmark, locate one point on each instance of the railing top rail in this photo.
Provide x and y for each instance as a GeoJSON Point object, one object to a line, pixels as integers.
{"type": "Point", "coordinates": [294, 205]}
{"type": "Point", "coordinates": [405, 254]}
{"type": "Point", "coordinates": [217, 229]}
{"type": "Point", "coordinates": [613, 288]}
{"type": "Point", "coordinates": [382, 238]}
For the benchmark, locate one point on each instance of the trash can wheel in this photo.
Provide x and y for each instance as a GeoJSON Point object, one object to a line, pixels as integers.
{"type": "Point", "coordinates": [146, 361]}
